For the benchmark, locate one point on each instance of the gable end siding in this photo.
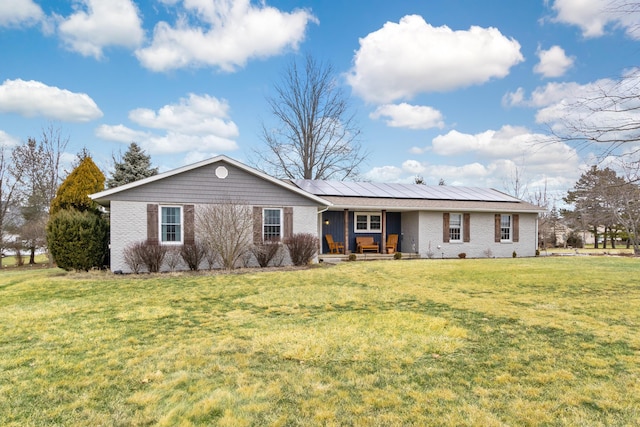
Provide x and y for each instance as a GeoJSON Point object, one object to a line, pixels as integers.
{"type": "Point", "coordinates": [202, 186]}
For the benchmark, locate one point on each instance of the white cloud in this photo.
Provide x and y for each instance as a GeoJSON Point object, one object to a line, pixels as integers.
{"type": "Point", "coordinates": [198, 115]}
{"type": "Point", "coordinates": [601, 104]}
{"type": "Point", "coordinates": [19, 12]}
{"type": "Point", "coordinates": [544, 95]}
{"type": "Point", "coordinates": [419, 150]}
{"type": "Point", "coordinates": [120, 133]}
{"type": "Point", "coordinates": [98, 24]}
{"type": "Point", "coordinates": [32, 98]}
{"type": "Point", "coordinates": [593, 16]}
{"type": "Point", "coordinates": [7, 140]}
{"type": "Point", "coordinates": [403, 59]}
{"type": "Point", "coordinates": [223, 34]}
{"type": "Point", "coordinates": [553, 62]}
{"type": "Point", "coordinates": [409, 116]}
{"type": "Point", "coordinates": [196, 124]}
{"type": "Point", "coordinates": [413, 167]}
{"type": "Point", "coordinates": [509, 142]}
{"type": "Point", "coordinates": [384, 174]}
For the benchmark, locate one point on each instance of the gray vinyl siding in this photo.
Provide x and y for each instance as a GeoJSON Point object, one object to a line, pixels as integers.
{"type": "Point", "coordinates": [201, 186]}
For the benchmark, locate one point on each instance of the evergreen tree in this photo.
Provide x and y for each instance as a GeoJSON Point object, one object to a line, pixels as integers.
{"type": "Point", "coordinates": [78, 240]}
{"type": "Point", "coordinates": [74, 191]}
{"type": "Point", "coordinates": [594, 197]}
{"type": "Point", "coordinates": [133, 166]}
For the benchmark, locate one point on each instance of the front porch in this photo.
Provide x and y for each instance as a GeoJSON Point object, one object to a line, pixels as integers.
{"type": "Point", "coordinates": [366, 256]}
{"type": "Point", "coordinates": [347, 227]}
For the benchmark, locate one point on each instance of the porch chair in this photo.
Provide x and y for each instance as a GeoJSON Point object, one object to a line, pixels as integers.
{"type": "Point", "coordinates": [392, 244]}
{"type": "Point", "coordinates": [334, 247]}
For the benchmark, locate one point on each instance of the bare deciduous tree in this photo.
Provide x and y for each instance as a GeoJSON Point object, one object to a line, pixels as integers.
{"type": "Point", "coordinates": [8, 193]}
{"type": "Point", "coordinates": [317, 136]}
{"type": "Point", "coordinates": [37, 164]}
{"type": "Point", "coordinates": [627, 211]}
{"type": "Point", "coordinates": [606, 118]}
{"type": "Point", "coordinates": [226, 227]}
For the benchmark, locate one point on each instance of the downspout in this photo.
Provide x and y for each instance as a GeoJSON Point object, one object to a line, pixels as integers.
{"type": "Point", "coordinates": [319, 228]}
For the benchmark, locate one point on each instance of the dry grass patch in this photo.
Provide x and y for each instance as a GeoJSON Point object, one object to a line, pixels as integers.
{"type": "Point", "coordinates": [445, 342]}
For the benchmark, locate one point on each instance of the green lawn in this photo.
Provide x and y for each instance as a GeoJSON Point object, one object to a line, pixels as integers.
{"type": "Point", "coordinates": [492, 342]}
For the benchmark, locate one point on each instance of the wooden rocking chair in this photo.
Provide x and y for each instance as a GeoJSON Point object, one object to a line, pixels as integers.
{"type": "Point", "coordinates": [334, 247]}
{"type": "Point", "coordinates": [392, 244]}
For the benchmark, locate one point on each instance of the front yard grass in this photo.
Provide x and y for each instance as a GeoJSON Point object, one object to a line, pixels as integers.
{"type": "Point", "coordinates": [493, 342]}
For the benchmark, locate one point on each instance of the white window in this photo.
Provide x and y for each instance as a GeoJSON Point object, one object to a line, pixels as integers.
{"type": "Point", "coordinates": [171, 224]}
{"type": "Point", "coordinates": [368, 222]}
{"type": "Point", "coordinates": [455, 227]}
{"type": "Point", "coordinates": [505, 228]}
{"type": "Point", "coordinates": [272, 224]}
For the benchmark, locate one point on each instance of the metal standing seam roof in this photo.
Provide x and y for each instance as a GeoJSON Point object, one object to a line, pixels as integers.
{"type": "Point", "coordinates": [402, 191]}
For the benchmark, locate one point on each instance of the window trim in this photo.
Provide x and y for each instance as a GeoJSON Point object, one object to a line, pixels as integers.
{"type": "Point", "coordinates": [281, 210]}
{"type": "Point", "coordinates": [160, 230]}
{"type": "Point", "coordinates": [460, 238]}
{"type": "Point", "coordinates": [510, 228]}
{"type": "Point", "coordinates": [368, 215]}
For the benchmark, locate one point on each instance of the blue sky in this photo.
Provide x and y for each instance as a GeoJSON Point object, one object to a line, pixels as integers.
{"type": "Point", "coordinates": [460, 90]}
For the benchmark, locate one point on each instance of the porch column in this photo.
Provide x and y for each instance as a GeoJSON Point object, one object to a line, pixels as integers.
{"type": "Point", "coordinates": [346, 231]}
{"type": "Point", "coordinates": [383, 237]}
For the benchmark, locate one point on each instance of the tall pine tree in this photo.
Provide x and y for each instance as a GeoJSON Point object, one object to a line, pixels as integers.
{"type": "Point", "coordinates": [133, 166]}
{"type": "Point", "coordinates": [74, 191]}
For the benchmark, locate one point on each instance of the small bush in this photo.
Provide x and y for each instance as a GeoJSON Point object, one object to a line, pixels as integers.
{"type": "Point", "coordinates": [144, 254]}
{"type": "Point", "coordinates": [193, 254]}
{"type": "Point", "coordinates": [153, 256]}
{"type": "Point", "coordinates": [16, 246]}
{"type": "Point", "coordinates": [514, 254]}
{"type": "Point", "coordinates": [575, 240]}
{"type": "Point", "coordinates": [266, 252]}
{"type": "Point", "coordinates": [462, 255]}
{"type": "Point", "coordinates": [133, 256]}
{"type": "Point", "coordinates": [352, 257]}
{"type": "Point", "coordinates": [173, 257]}
{"type": "Point", "coordinates": [302, 248]}
{"type": "Point", "coordinates": [397, 255]}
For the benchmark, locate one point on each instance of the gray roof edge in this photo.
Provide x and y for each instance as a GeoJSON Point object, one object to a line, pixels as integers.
{"type": "Point", "coordinates": [434, 209]}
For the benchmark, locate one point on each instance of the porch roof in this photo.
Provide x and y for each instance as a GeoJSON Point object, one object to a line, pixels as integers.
{"type": "Point", "coordinates": [392, 204]}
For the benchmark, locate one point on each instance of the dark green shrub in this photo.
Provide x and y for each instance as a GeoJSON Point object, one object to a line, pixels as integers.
{"type": "Point", "coordinates": [397, 255]}
{"type": "Point", "coordinates": [514, 254]}
{"type": "Point", "coordinates": [462, 255]}
{"type": "Point", "coordinates": [575, 240]}
{"type": "Point", "coordinates": [302, 248]}
{"type": "Point", "coordinates": [78, 240]}
{"type": "Point", "coordinates": [352, 257]}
